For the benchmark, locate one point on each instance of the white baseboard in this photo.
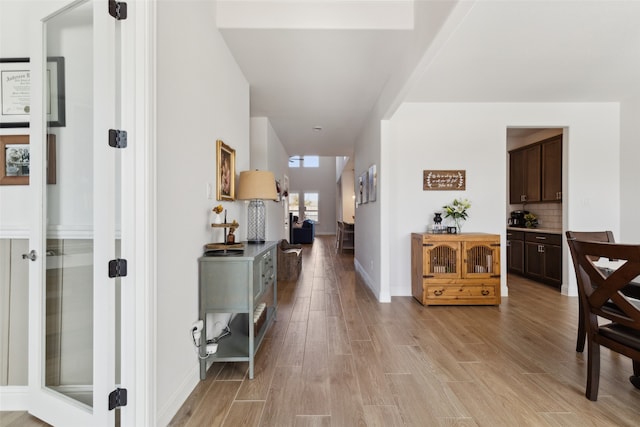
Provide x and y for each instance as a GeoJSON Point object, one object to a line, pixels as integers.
{"type": "Point", "coordinates": [368, 281]}
{"type": "Point", "coordinates": [14, 398]}
{"type": "Point", "coordinates": [168, 410]}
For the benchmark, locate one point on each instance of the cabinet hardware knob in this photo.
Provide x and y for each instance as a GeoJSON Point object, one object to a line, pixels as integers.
{"type": "Point", "coordinates": [484, 292]}
{"type": "Point", "coordinates": [437, 292]}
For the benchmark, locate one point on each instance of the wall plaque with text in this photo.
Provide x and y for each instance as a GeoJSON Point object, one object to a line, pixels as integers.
{"type": "Point", "coordinates": [450, 180]}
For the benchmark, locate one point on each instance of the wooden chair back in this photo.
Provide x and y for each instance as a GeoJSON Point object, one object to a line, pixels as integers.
{"type": "Point", "coordinates": [604, 293]}
{"type": "Point", "coordinates": [594, 236]}
{"type": "Point", "coordinates": [598, 288]}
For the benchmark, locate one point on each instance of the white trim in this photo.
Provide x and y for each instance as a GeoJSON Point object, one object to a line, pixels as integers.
{"type": "Point", "coordinates": [139, 118]}
{"type": "Point", "coordinates": [14, 233]}
{"type": "Point", "coordinates": [178, 397]}
{"type": "Point", "coordinates": [369, 281]}
{"type": "Point", "coordinates": [14, 398]}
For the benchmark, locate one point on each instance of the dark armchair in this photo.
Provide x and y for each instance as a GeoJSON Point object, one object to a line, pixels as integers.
{"type": "Point", "coordinates": [601, 295]}
{"type": "Point", "coordinates": [305, 233]}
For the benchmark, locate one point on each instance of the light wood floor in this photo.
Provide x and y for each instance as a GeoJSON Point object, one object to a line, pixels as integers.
{"type": "Point", "coordinates": [336, 357]}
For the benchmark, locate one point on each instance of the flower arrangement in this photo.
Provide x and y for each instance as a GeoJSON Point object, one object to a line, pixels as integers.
{"type": "Point", "coordinates": [218, 209]}
{"type": "Point", "coordinates": [530, 220]}
{"type": "Point", "coordinates": [458, 211]}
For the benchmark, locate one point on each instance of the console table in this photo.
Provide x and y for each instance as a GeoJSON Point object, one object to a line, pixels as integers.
{"type": "Point", "coordinates": [455, 269]}
{"type": "Point", "coordinates": [238, 283]}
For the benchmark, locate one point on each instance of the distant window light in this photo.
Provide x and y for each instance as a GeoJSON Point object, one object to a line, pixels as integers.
{"type": "Point", "coordinates": [311, 161]}
{"type": "Point", "coordinates": [295, 161]}
{"type": "Point", "coordinates": [304, 161]}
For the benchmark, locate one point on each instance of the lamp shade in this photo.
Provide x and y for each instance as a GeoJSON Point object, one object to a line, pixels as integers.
{"type": "Point", "coordinates": [256, 185]}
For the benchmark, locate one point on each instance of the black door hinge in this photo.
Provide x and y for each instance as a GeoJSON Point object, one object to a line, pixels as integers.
{"type": "Point", "coordinates": [117, 138]}
{"type": "Point", "coordinates": [118, 268]}
{"type": "Point", "coordinates": [118, 9]}
{"type": "Point", "coordinates": [117, 398]}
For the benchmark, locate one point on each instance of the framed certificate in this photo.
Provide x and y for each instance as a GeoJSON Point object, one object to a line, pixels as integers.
{"type": "Point", "coordinates": [15, 90]}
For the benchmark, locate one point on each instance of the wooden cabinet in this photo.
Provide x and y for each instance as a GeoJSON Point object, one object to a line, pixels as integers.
{"type": "Point", "coordinates": [552, 169]}
{"type": "Point", "coordinates": [238, 284]}
{"type": "Point", "coordinates": [535, 172]}
{"type": "Point", "coordinates": [515, 251]}
{"type": "Point", "coordinates": [524, 175]}
{"type": "Point", "coordinates": [455, 269]}
{"type": "Point", "coordinates": [543, 258]}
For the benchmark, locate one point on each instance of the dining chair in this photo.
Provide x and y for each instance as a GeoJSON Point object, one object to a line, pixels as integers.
{"type": "Point", "coordinates": [593, 236]}
{"type": "Point", "coordinates": [601, 294]}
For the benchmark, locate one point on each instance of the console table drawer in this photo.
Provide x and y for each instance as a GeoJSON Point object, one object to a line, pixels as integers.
{"type": "Point", "coordinates": [465, 292]}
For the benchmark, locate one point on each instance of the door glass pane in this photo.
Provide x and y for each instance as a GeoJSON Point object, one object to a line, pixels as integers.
{"type": "Point", "coordinates": [69, 194]}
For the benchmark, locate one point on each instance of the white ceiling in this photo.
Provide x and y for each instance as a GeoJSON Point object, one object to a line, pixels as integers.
{"type": "Point", "coordinates": [329, 71]}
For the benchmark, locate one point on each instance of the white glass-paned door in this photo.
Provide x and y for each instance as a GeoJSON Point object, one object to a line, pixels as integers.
{"type": "Point", "coordinates": [74, 343]}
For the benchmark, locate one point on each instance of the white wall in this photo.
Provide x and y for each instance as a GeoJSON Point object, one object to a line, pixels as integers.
{"type": "Point", "coordinates": [321, 180]}
{"type": "Point", "coordinates": [630, 170]}
{"type": "Point", "coordinates": [202, 96]}
{"type": "Point", "coordinates": [268, 153]}
{"type": "Point", "coordinates": [473, 137]}
{"type": "Point", "coordinates": [370, 233]}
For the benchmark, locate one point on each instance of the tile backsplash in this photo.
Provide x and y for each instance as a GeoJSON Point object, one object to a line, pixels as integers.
{"type": "Point", "coordinates": [549, 214]}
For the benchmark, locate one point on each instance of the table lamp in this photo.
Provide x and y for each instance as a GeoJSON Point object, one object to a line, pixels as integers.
{"type": "Point", "coordinates": [256, 186]}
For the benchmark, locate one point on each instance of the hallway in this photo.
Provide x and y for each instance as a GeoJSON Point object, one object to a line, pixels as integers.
{"type": "Point", "coordinates": [336, 357]}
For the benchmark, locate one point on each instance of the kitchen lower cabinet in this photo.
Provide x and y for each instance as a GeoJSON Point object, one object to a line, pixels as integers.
{"type": "Point", "coordinates": [246, 286]}
{"type": "Point", "coordinates": [455, 269]}
{"type": "Point", "coordinates": [543, 258]}
{"type": "Point", "coordinates": [515, 252]}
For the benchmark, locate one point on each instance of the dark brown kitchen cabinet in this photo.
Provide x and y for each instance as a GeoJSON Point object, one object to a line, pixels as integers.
{"type": "Point", "coordinates": [543, 258]}
{"type": "Point", "coordinates": [515, 252]}
{"type": "Point", "coordinates": [535, 172]}
{"type": "Point", "coordinates": [524, 175]}
{"type": "Point", "coordinates": [552, 169]}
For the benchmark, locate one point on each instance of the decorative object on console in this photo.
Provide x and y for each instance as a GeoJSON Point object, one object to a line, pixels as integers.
{"type": "Point", "coordinates": [438, 227]}
{"type": "Point", "coordinates": [458, 211]}
{"type": "Point", "coordinates": [256, 186]}
{"type": "Point", "coordinates": [218, 210]}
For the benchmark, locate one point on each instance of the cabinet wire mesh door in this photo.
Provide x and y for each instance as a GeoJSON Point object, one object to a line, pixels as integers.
{"type": "Point", "coordinates": [443, 259]}
{"type": "Point", "coordinates": [479, 260]}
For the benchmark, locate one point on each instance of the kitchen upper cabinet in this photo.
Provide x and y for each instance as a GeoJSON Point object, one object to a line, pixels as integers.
{"type": "Point", "coordinates": [552, 169]}
{"type": "Point", "coordinates": [535, 172]}
{"type": "Point", "coordinates": [524, 175]}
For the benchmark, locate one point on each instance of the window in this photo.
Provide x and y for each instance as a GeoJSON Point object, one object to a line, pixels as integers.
{"type": "Point", "coordinates": [310, 203]}
{"type": "Point", "coordinates": [304, 161]}
{"type": "Point", "coordinates": [311, 206]}
{"type": "Point", "coordinates": [294, 203]}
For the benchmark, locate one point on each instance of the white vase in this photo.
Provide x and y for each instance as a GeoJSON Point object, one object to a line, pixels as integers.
{"type": "Point", "coordinates": [217, 219]}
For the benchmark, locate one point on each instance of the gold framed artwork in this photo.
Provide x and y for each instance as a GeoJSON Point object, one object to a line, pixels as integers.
{"type": "Point", "coordinates": [15, 159]}
{"type": "Point", "coordinates": [225, 172]}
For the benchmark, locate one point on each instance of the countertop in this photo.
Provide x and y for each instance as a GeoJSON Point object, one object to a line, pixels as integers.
{"type": "Point", "coordinates": [535, 230]}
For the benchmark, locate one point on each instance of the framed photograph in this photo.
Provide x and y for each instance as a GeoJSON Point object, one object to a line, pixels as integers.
{"type": "Point", "coordinates": [225, 172]}
{"type": "Point", "coordinates": [15, 159]}
{"type": "Point", "coordinates": [15, 87]}
{"type": "Point", "coordinates": [373, 183]}
{"type": "Point", "coordinates": [363, 187]}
